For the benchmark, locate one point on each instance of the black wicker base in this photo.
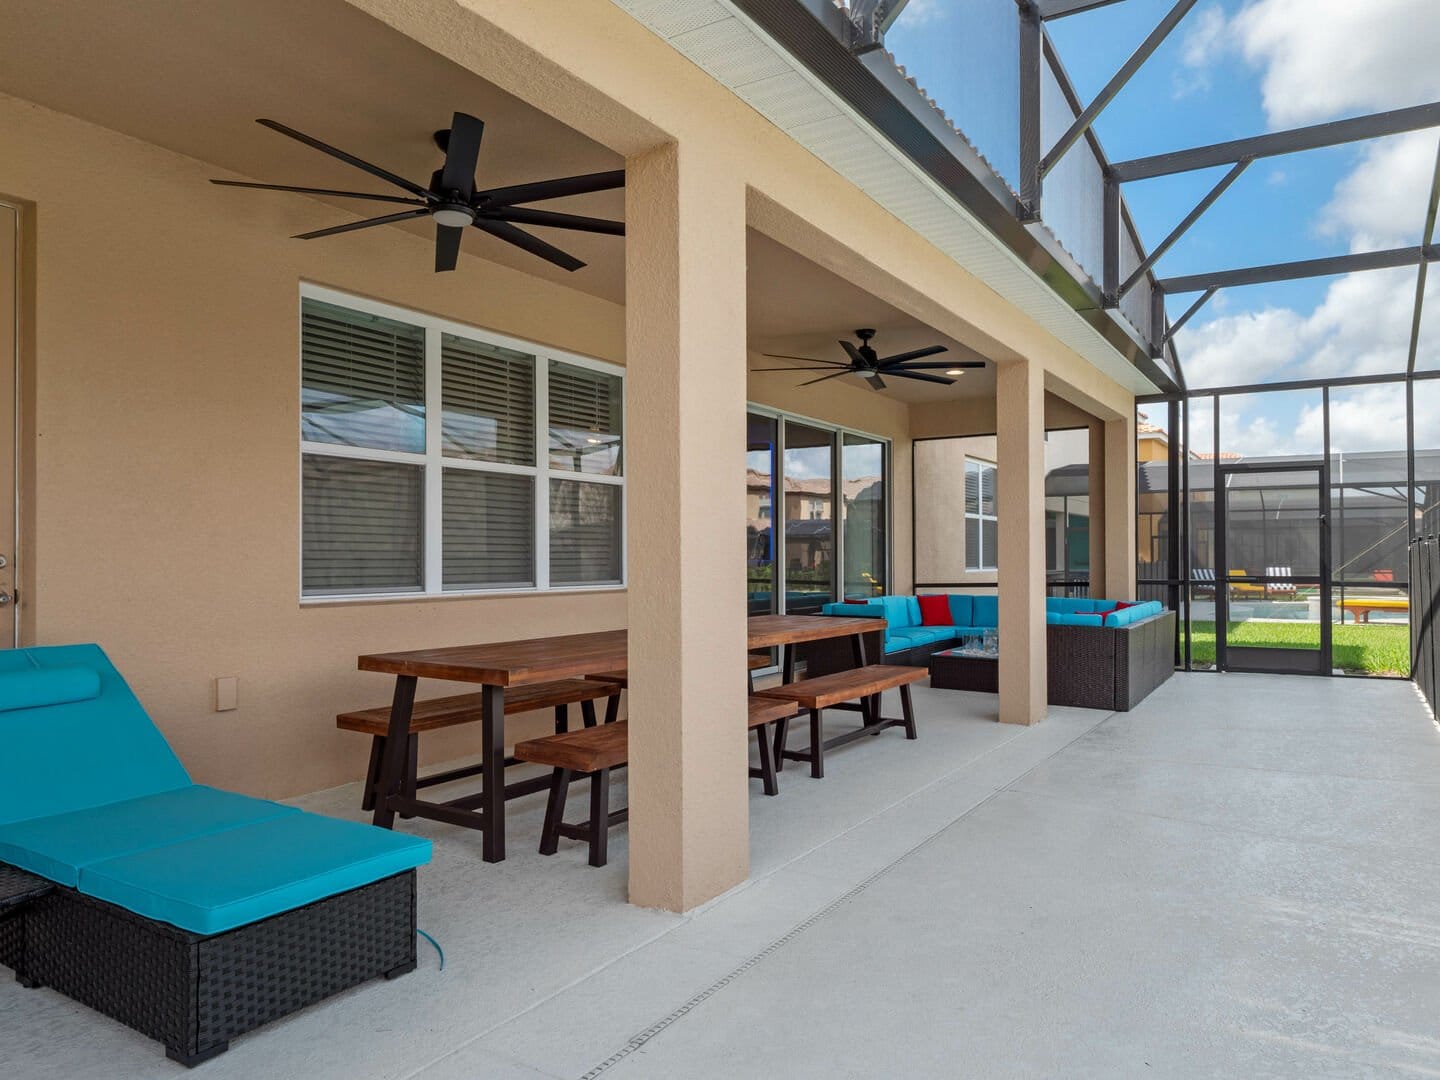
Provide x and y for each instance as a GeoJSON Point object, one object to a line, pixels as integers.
{"type": "Point", "coordinates": [195, 993]}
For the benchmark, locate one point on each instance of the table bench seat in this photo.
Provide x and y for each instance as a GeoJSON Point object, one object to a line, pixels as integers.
{"type": "Point", "coordinates": [437, 713]}
{"type": "Point", "coordinates": [861, 685]}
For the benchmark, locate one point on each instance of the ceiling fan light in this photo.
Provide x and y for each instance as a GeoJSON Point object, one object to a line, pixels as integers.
{"type": "Point", "coordinates": [954, 371]}
{"type": "Point", "coordinates": [455, 217]}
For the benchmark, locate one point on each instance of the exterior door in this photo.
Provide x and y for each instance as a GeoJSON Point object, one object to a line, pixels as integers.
{"type": "Point", "coordinates": [9, 366]}
{"type": "Point", "coordinates": [1272, 588]}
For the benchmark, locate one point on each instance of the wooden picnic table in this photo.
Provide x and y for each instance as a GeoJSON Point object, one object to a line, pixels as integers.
{"type": "Point", "coordinates": [499, 665]}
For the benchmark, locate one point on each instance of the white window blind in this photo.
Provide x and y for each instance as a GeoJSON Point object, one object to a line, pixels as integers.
{"type": "Point", "coordinates": [435, 458]}
{"type": "Point", "coordinates": [981, 522]}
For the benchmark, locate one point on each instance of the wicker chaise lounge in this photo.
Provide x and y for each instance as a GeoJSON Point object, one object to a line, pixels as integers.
{"type": "Point", "coordinates": [188, 913]}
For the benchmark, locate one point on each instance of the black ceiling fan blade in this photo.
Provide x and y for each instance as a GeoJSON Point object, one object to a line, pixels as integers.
{"type": "Point", "coordinates": [845, 366]}
{"type": "Point", "coordinates": [828, 375]}
{"type": "Point", "coordinates": [524, 216]}
{"type": "Point", "coordinates": [807, 359]}
{"type": "Point", "coordinates": [553, 189]}
{"type": "Point", "coordinates": [349, 159]}
{"type": "Point", "coordinates": [913, 354]}
{"type": "Point", "coordinates": [851, 351]}
{"type": "Point", "coordinates": [447, 246]}
{"type": "Point", "coordinates": [404, 215]}
{"type": "Point", "coordinates": [533, 244]}
{"type": "Point", "coordinates": [462, 154]}
{"type": "Point", "coordinates": [875, 381]}
{"type": "Point", "coordinates": [941, 365]}
{"type": "Point", "coordinates": [901, 373]}
{"type": "Point", "coordinates": [321, 191]}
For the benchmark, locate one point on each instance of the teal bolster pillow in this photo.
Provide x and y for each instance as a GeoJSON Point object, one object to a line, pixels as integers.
{"type": "Point", "coordinates": [47, 686]}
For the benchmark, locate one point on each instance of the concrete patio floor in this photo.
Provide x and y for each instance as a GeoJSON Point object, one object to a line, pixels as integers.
{"type": "Point", "coordinates": [1237, 879]}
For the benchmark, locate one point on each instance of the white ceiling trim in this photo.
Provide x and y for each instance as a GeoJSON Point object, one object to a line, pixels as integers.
{"type": "Point", "coordinates": [722, 41]}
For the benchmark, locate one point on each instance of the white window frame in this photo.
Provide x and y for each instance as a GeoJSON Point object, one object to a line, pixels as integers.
{"type": "Point", "coordinates": [433, 461]}
{"type": "Point", "coordinates": [980, 517]}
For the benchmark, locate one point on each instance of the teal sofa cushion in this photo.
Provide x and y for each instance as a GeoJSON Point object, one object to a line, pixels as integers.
{"type": "Point", "coordinates": [1134, 613]}
{"type": "Point", "coordinates": [867, 609]}
{"type": "Point", "coordinates": [1068, 604]}
{"type": "Point", "coordinates": [985, 611]}
{"type": "Point", "coordinates": [1071, 618]}
{"type": "Point", "coordinates": [47, 686]}
{"type": "Point", "coordinates": [911, 636]}
{"type": "Point", "coordinates": [213, 883]}
{"type": "Point", "coordinates": [961, 606]}
{"type": "Point", "coordinates": [900, 611]}
{"type": "Point", "coordinates": [75, 754]}
{"type": "Point", "coordinates": [57, 847]}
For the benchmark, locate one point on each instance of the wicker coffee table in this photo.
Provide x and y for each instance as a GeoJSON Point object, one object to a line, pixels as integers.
{"type": "Point", "coordinates": [18, 887]}
{"type": "Point", "coordinates": [965, 669]}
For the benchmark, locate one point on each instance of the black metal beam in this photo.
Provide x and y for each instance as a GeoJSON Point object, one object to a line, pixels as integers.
{"type": "Point", "coordinates": [1058, 9]}
{"type": "Point", "coordinates": [1280, 142]}
{"type": "Point", "coordinates": [1116, 84]}
{"type": "Point", "coordinates": [1031, 172]}
{"type": "Point", "coordinates": [1189, 314]}
{"type": "Point", "coordinates": [1305, 268]}
{"type": "Point", "coordinates": [1180, 230]}
{"type": "Point", "coordinates": [1292, 384]}
{"type": "Point", "coordinates": [1420, 274]}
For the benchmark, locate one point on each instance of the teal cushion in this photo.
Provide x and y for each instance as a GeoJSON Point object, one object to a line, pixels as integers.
{"type": "Point", "coordinates": [1067, 604]}
{"type": "Point", "coordinates": [897, 611]}
{"type": "Point", "coordinates": [52, 686]}
{"type": "Point", "coordinates": [1071, 618]}
{"type": "Point", "coordinates": [911, 636]}
{"type": "Point", "coordinates": [79, 753]}
{"type": "Point", "coordinates": [210, 884]}
{"type": "Point", "coordinates": [985, 611]}
{"type": "Point", "coordinates": [861, 608]}
{"type": "Point", "coordinates": [57, 847]}
{"type": "Point", "coordinates": [1134, 613]}
{"type": "Point", "coordinates": [960, 608]}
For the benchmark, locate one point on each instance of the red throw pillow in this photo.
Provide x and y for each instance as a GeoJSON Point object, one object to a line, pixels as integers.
{"type": "Point", "coordinates": [1126, 603]}
{"type": "Point", "coordinates": [1102, 612]}
{"type": "Point", "coordinates": [935, 611]}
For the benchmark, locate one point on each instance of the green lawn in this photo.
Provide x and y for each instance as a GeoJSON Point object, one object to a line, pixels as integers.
{"type": "Point", "coordinates": [1371, 649]}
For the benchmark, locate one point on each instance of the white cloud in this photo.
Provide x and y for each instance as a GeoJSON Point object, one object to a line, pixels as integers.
{"type": "Point", "coordinates": [1325, 58]}
{"type": "Point", "coordinates": [1205, 41]}
{"type": "Point", "coordinates": [1381, 203]}
{"type": "Point", "coordinates": [921, 12]}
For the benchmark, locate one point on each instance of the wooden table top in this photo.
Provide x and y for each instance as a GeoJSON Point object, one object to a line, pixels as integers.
{"type": "Point", "coordinates": [516, 663]}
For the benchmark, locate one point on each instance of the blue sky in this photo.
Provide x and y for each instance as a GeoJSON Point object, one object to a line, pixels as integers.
{"type": "Point", "coordinates": [1235, 68]}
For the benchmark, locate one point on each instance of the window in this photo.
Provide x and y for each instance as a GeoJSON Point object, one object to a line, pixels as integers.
{"type": "Point", "coordinates": [439, 459]}
{"type": "Point", "coordinates": [981, 522]}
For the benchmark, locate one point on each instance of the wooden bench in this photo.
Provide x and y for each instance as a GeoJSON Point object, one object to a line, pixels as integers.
{"type": "Point", "coordinates": [594, 752]}
{"type": "Point", "coordinates": [446, 712]}
{"type": "Point", "coordinates": [861, 685]}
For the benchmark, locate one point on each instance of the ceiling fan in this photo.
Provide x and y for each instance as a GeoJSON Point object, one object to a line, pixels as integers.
{"type": "Point", "coordinates": [451, 198]}
{"type": "Point", "coordinates": [864, 361]}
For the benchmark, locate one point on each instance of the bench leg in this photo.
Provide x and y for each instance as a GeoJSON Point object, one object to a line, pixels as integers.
{"type": "Point", "coordinates": [562, 719]}
{"type": "Point", "coordinates": [599, 817]}
{"type": "Point", "coordinates": [767, 761]}
{"type": "Point", "coordinates": [782, 730]}
{"type": "Point", "coordinates": [412, 769]}
{"type": "Point", "coordinates": [908, 711]}
{"type": "Point", "coordinates": [817, 750]}
{"type": "Point", "coordinates": [372, 773]}
{"type": "Point", "coordinates": [612, 708]}
{"type": "Point", "coordinates": [554, 811]}
{"type": "Point", "coordinates": [587, 713]}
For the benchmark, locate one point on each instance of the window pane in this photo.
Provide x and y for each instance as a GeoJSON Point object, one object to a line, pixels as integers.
{"type": "Point", "coordinates": [760, 514]}
{"type": "Point", "coordinates": [584, 533]}
{"type": "Point", "coordinates": [989, 548]}
{"type": "Point", "coordinates": [585, 408]}
{"type": "Point", "coordinates": [862, 464]}
{"type": "Point", "coordinates": [972, 488]}
{"type": "Point", "coordinates": [987, 490]}
{"type": "Point", "coordinates": [972, 543]}
{"type": "Point", "coordinates": [488, 400]}
{"type": "Point", "coordinates": [361, 526]}
{"type": "Point", "coordinates": [363, 379]}
{"type": "Point", "coordinates": [1369, 517]}
{"type": "Point", "coordinates": [809, 518]}
{"type": "Point", "coordinates": [489, 529]}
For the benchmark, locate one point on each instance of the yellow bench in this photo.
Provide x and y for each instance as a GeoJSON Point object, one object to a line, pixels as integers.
{"type": "Point", "coordinates": [1361, 606]}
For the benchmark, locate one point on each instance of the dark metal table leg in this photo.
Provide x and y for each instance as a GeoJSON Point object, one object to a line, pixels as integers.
{"type": "Point", "coordinates": [599, 817]}
{"type": "Point", "coordinates": [554, 811]}
{"type": "Point", "coordinates": [397, 749]}
{"type": "Point", "coordinates": [767, 761]}
{"type": "Point", "coordinates": [492, 721]}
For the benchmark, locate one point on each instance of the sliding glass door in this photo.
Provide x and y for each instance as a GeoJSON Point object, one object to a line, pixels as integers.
{"type": "Point", "coordinates": [818, 511]}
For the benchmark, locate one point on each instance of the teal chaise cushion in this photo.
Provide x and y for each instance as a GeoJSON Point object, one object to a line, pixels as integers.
{"type": "Point", "coordinates": [210, 884]}
{"type": "Point", "coordinates": [1069, 618]}
{"type": "Point", "coordinates": [909, 637]}
{"type": "Point", "coordinates": [961, 606]}
{"type": "Point", "coordinates": [76, 754]}
{"type": "Point", "coordinates": [985, 611]}
{"type": "Point", "coordinates": [59, 846]}
{"type": "Point", "coordinates": [47, 686]}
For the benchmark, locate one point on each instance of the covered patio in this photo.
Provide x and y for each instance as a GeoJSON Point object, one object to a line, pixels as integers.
{"type": "Point", "coordinates": [1188, 865]}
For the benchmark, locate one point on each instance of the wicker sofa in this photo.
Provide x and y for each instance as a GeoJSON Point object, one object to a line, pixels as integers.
{"type": "Point", "coordinates": [188, 913]}
{"type": "Point", "coordinates": [1098, 657]}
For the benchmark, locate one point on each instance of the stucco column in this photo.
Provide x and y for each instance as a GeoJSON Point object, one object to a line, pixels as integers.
{"type": "Point", "coordinates": [1020, 449]}
{"type": "Point", "coordinates": [685, 397]}
{"type": "Point", "coordinates": [1120, 508]}
{"type": "Point", "coordinates": [1097, 508]}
